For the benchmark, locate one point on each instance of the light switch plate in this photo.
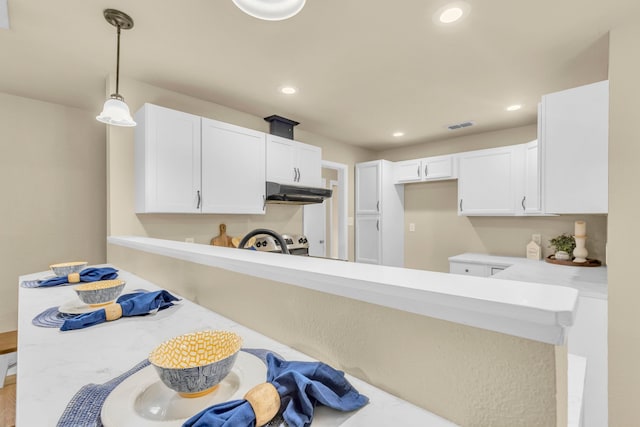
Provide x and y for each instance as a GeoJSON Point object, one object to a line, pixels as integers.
{"type": "Point", "coordinates": [189, 240]}
{"type": "Point", "coordinates": [412, 226]}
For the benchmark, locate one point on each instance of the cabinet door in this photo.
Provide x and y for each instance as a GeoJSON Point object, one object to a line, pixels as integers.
{"type": "Point", "coordinates": [487, 182]}
{"type": "Point", "coordinates": [407, 171]}
{"type": "Point", "coordinates": [281, 158]}
{"type": "Point", "coordinates": [368, 181]}
{"type": "Point", "coordinates": [575, 149]}
{"type": "Point", "coordinates": [167, 161]}
{"type": "Point", "coordinates": [436, 168]}
{"type": "Point", "coordinates": [233, 169]}
{"type": "Point", "coordinates": [468, 269]}
{"type": "Point", "coordinates": [309, 164]}
{"type": "Point", "coordinates": [368, 244]}
{"type": "Point", "coordinates": [531, 200]}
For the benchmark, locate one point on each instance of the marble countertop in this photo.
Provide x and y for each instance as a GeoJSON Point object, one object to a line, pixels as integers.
{"type": "Point", "coordinates": [589, 281]}
{"type": "Point", "coordinates": [54, 365]}
{"type": "Point", "coordinates": [534, 311]}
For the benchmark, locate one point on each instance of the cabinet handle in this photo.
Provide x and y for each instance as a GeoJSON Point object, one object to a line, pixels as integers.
{"type": "Point", "coordinates": [523, 199]}
{"type": "Point", "coordinates": [378, 206]}
{"type": "Point", "coordinates": [426, 169]}
{"type": "Point", "coordinates": [378, 225]}
{"type": "Point", "coordinates": [295, 175]}
{"type": "Point", "coordinates": [299, 175]}
{"type": "Point", "coordinates": [264, 202]}
{"type": "Point", "coordinates": [460, 205]}
{"type": "Point", "coordinates": [418, 171]}
{"type": "Point", "coordinates": [198, 207]}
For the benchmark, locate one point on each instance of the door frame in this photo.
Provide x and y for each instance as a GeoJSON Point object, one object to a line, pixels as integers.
{"type": "Point", "coordinates": [343, 206]}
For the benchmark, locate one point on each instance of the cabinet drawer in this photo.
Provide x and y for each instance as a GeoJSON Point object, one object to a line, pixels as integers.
{"type": "Point", "coordinates": [468, 269]}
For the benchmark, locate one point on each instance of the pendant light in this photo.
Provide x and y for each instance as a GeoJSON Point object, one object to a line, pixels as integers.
{"type": "Point", "coordinates": [116, 111]}
{"type": "Point", "coordinates": [270, 10]}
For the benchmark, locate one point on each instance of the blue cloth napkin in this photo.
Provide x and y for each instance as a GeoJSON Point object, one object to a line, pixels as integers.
{"type": "Point", "coordinates": [134, 304]}
{"type": "Point", "coordinates": [301, 386]}
{"type": "Point", "coordinates": [91, 274]}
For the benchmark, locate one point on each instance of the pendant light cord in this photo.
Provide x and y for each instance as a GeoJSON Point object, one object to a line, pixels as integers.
{"type": "Point", "coordinates": [118, 64]}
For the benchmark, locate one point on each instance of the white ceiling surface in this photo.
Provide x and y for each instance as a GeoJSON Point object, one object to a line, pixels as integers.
{"type": "Point", "coordinates": [364, 68]}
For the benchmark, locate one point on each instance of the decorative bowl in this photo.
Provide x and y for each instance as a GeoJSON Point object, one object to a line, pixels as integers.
{"type": "Point", "coordinates": [193, 364]}
{"type": "Point", "coordinates": [101, 292]}
{"type": "Point", "coordinates": [66, 268]}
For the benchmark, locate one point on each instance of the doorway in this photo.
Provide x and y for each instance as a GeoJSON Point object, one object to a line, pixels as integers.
{"type": "Point", "coordinates": [325, 225]}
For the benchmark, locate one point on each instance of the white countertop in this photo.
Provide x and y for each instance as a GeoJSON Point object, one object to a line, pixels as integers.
{"type": "Point", "coordinates": [589, 281]}
{"type": "Point", "coordinates": [534, 311]}
{"type": "Point", "coordinates": [54, 365]}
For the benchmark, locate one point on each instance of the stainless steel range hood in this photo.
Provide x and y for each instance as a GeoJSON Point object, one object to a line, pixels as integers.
{"type": "Point", "coordinates": [295, 194]}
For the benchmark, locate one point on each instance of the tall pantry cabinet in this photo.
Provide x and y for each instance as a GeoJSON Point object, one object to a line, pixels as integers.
{"type": "Point", "coordinates": [379, 207]}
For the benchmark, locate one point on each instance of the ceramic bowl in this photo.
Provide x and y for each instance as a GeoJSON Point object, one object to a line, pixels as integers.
{"type": "Point", "coordinates": [101, 292]}
{"type": "Point", "coordinates": [66, 268]}
{"type": "Point", "coordinates": [193, 364]}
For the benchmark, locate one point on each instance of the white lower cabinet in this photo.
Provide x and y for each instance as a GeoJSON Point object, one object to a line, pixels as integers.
{"type": "Point", "coordinates": [368, 239]}
{"type": "Point", "coordinates": [475, 269]}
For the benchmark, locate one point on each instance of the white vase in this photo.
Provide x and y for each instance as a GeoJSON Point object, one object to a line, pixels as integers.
{"type": "Point", "coordinates": [562, 256]}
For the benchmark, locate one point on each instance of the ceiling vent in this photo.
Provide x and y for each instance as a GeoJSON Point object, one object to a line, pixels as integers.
{"type": "Point", "coordinates": [460, 125]}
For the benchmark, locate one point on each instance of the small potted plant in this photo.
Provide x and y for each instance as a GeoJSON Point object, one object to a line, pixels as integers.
{"type": "Point", "coordinates": [564, 244]}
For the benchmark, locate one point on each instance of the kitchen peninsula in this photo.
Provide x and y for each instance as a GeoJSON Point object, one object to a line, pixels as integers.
{"type": "Point", "coordinates": [54, 365]}
{"type": "Point", "coordinates": [434, 339]}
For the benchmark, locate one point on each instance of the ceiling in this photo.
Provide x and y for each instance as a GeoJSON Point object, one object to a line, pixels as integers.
{"type": "Point", "coordinates": [364, 68]}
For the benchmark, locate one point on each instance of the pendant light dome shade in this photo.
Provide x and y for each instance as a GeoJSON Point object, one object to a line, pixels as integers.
{"type": "Point", "coordinates": [270, 10]}
{"type": "Point", "coordinates": [115, 111]}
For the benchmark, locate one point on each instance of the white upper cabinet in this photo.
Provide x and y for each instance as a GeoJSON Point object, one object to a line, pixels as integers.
{"type": "Point", "coordinates": [233, 169]}
{"type": "Point", "coordinates": [167, 161]}
{"type": "Point", "coordinates": [488, 181]}
{"type": "Point", "coordinates": [368, 188]}
{"type": "Point", "coordinates": [188, 164]}
{"type": "Point", "coordinates": [531, 202]}
{"type": "Point", "coordinates": [574, 142]}
{"type": "Point", "coordinates": [292, 162]}
{"type": "Point", "coordinates": [426, 169]}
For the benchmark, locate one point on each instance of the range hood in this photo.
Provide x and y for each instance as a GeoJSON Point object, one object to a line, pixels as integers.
{"type": "Point", "coordinates": [295, 194]}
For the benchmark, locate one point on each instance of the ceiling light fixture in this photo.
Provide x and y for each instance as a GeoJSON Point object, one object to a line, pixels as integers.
{"type": "Point", "coordinates": [398, 134]}
{"type": "Point", "coordinates": [514, 107]}
{"type": "Point", "coordinates": [288, 90]}
{"type": "Point", "coordinates": [116, 111]}
{"type": "Point", "coordinates": [270, 10]}
{"type": "Point", "coordinates": [452, 12]}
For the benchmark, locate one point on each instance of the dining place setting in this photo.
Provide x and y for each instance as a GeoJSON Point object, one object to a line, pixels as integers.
{"type": "Point", "coordinates": [197, 379]}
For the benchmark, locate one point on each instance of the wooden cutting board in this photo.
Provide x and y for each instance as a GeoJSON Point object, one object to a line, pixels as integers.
{"type": "Point", "coordinates": [222, 239]}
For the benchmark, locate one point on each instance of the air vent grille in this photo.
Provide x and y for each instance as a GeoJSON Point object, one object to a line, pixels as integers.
{"type": "Point", "coordinates": [460, 125]}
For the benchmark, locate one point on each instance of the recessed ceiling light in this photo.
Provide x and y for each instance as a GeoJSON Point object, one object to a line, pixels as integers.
{"type": "Point", "coordinates": [288, 90]}
{"type": "Point", "coordinates": [514, 107]}
{"type": "Point", "coordinates": [398, 134]}
{"type": "Point", "coordinates": [451, 12]}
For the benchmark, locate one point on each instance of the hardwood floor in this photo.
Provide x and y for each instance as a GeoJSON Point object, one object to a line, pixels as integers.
{"type": "Point", "coordinates": [8, 402]}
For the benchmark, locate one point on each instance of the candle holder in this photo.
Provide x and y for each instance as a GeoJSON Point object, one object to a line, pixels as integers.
{"type": "Point", "coordinates": [580, 252]}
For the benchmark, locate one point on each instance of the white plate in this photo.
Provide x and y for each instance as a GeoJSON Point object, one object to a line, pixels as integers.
{"type": "Point", "coordinates": [142, 400]}
{"type": "Point", "coordinates": [76, 307]}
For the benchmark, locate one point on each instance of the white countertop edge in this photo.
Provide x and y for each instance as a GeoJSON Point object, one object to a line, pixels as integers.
{"type": "Point", "coordinates": [533, 311]}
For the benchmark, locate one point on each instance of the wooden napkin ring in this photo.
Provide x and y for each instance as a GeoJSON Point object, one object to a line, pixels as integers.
{"type": "Point", "coordinates": [113, 311]}
{"type": "Point", "coordinates": [73, 278]}
{"type": "Point", "coordinates": [265, 402]}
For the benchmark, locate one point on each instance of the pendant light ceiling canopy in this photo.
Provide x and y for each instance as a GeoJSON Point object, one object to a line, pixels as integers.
{"type": "Point", "coordinates": [270, 10]}
{"type": "Point", "coordinates": [116, 111]}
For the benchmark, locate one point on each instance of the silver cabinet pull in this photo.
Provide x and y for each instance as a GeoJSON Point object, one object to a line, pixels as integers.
{"type": "Point", "coordinates": [460, 205]}
{"type": "Point", "coordinates": [378, 206]}
{"type": "Point", "coordinates": [321, 241]}
{"type": "Point", "coordinates": [264, 202]}
{"type": "Point", "coordinates": [426, 171]}
{"type": "Point", "coordinates": [418, 171]}
{"type": "Point", "coordinates": [295, 175]}
{"type": "Point", "coordinates": [523, 207]}
{"type": "Point", "coordinates": [199, 198]}
{"type": "Point", "coordinates": [299, 175]}
{"type": "Point", "coordinates": [378, 225]}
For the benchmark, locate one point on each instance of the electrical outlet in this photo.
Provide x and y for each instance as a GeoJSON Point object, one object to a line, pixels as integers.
{"type": "Point", "coordinates": [412, 226]}
{"type": "Point", "coordinates": [189, 240]}
{"type": "Point", "coordinates": [536, 238]}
